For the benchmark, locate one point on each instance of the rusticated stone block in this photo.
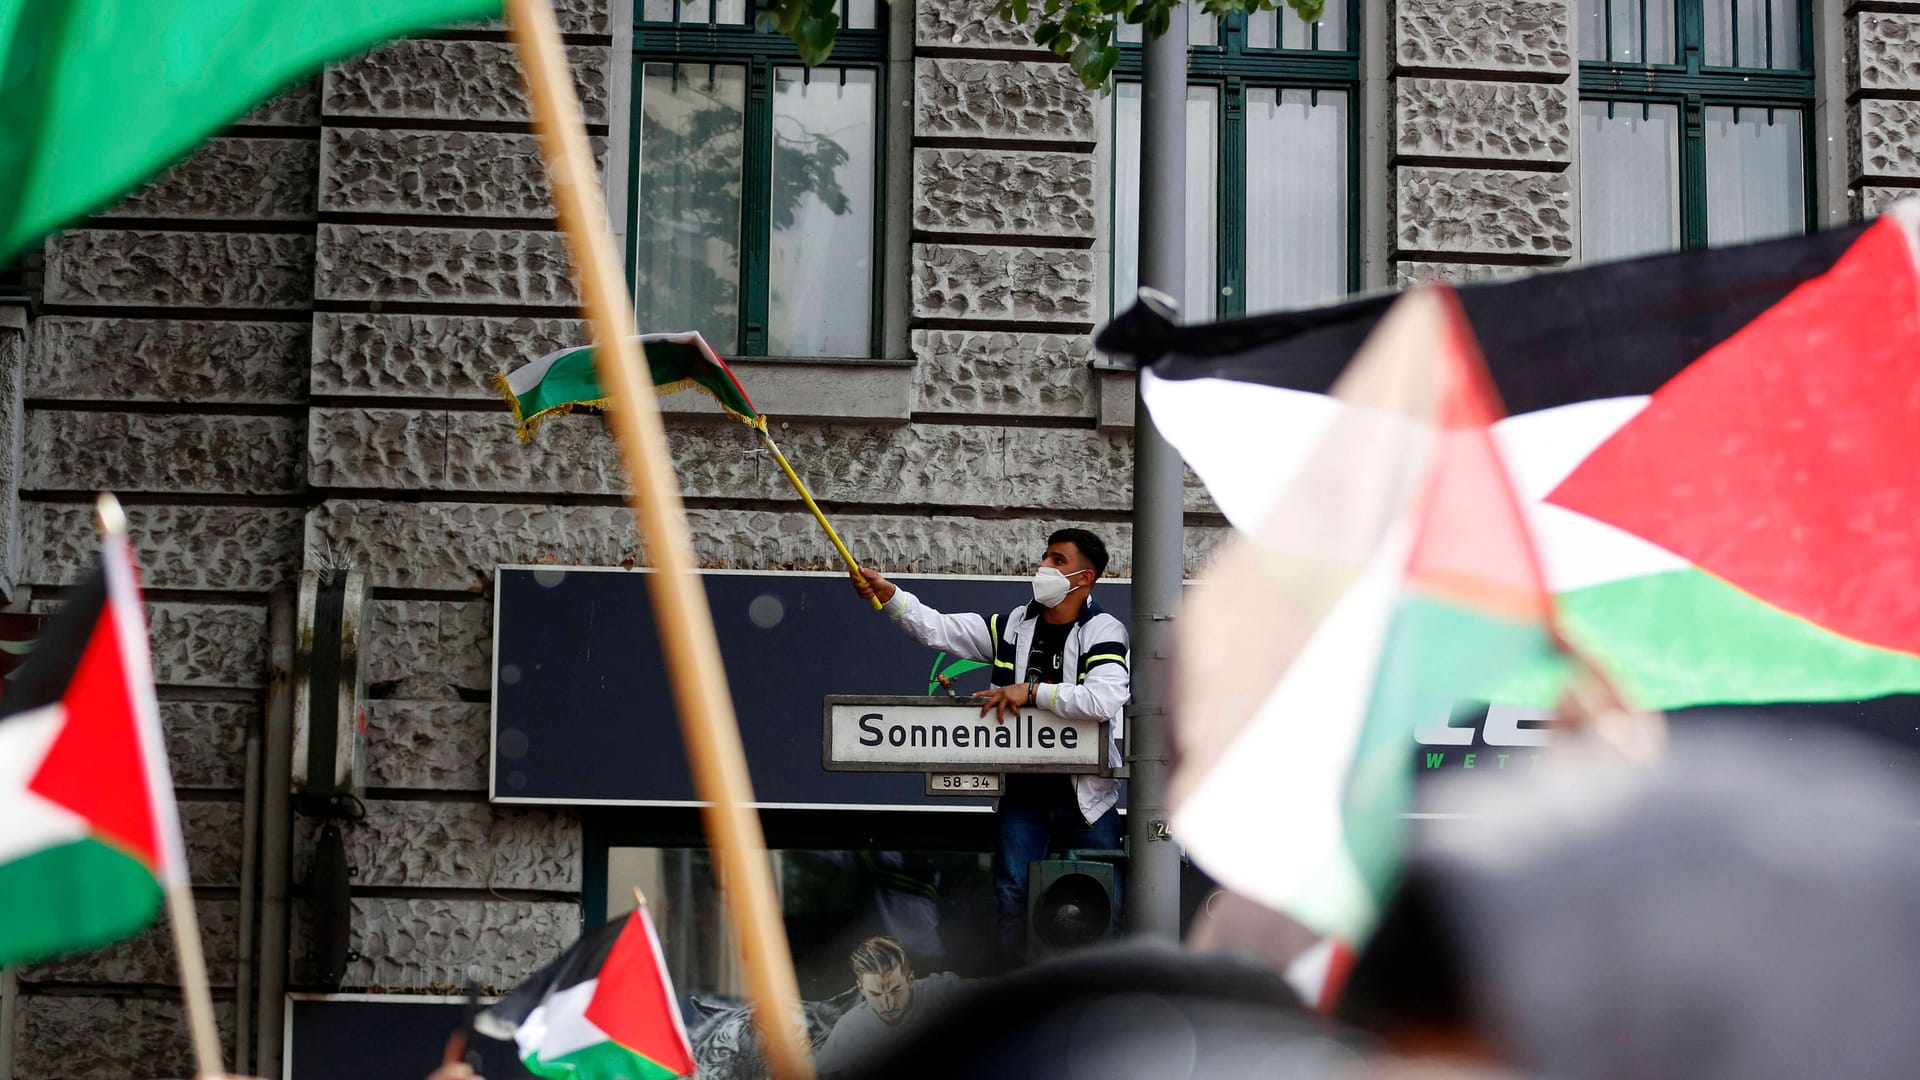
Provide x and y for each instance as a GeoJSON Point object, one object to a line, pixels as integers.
{"type": "Point", "coordinates": [432, 649]}
{"type": "Point", "coordinates": [296, 106]}
{"type": "Point", "coordinates": [240, 548]}
{"type": "Point", "coordinates": [1453, 273]}
{"type": "Point", "coordinates": [574, 17]}
{"type": "Point", "coordinates": [147, 960]}
{"type": "Point", "coordinates": [1883, 51]}
{"type": "Point", "coordinates": [453, 80]}
{"type": "Point", "coordinates": [968, 24]}
{"type": "Point", "coordinates": [1886, 138]}
{"type": "Point", "coordinates": [1484, 212]}
{"type": "Point", "coordinates": [953, 281]}
{"type": "Point", "coordinates": [464, 543]}
{"type": "Point", "coordinates": [212, 834]}
{"type": "Point", "coordinates": [456, 266]}
{"type": "Point", "coordinates": [79, 358]}
{"type": "Point", "coordinates": [233, 179]}
{"type": "Point", "coordinates": [241, 271]}
{"type": "Point", "coordinates": [427, 745]}
{"type": "Point", "coordinates": [207, 741]}
{"type": "Point", "coordinates": [1040, 101]}
{"type": "Point", "coordinates": [1874, 201]}
{"type": "Point", "coordinates": [175, 454]}
{"type": "Point", "coordinates": [390, 448]}
{"type": "Point", "coordinates": [1484, 35]}
{"type": "Point", "coordinates": [208, 644]}
{"type": "Point", "coordinates": [1020, 193]}
{"type": "Point", "coordinates": [457, 845]}
{"type": "Point", "coordinates": [404, 171]}
{"type": "Point", "coordinates": [1495, 121]}
{"type": "Point", "coordinates": [438, 356]}
{"type": "Point", "coordinates": [437, 944]}
{"type": "Point", "coordinates": [1005, 374]}
{"type": "Point", "coordinates": [76, 1037]}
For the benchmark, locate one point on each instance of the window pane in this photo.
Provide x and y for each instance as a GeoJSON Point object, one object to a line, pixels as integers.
{"type": "Point", "coordinates": [822, 266]}
{"type": "Point", "coordinates": [1296, 231]}
{"type": "Point", "coordinates": [1132, 33]}
{"type": "Point", "coordinates": [1202, 195]}
{"type": "Point", "coordinates": [687, 233]}
{"type": "Point", "coordinates": [1753, 33]}
{"type": "Point", "coordinates": [696, 12]}
{"type": "Point", "coordinates": [1755, 174]}
{"type": "Point", "coordinates": [937, 904]}
{"type": "Point", "coordinates": [1629, 179]}
{"type": "Point", "coordinates": [1263, 30]}
{"type": "Point", "coordinates": [1283, 29]}
{"type": "Point", "coordinates": [1632, 20]}
{"type": "Point", "coordinates": [860, 14]}
{"type": "Point", "coordinates": [1202, 28]}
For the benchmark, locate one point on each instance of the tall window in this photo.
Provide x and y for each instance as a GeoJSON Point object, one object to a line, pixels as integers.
{"type": "Point", "coordinates": [1270, 163]}
{"type": "Point", "coordinates": [755, 202]}
{"type": "Point", "coordinates": [1695, 123]}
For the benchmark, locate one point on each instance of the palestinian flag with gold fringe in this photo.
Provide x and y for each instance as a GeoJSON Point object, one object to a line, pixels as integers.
{"type": "Point", "coordinates": [604, 1010]}
{"type": "Point", "coordinates": [562, 381]}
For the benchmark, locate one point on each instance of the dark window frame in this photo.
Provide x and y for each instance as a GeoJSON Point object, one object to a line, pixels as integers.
{"type": "Point", "coordinates": [1234, 67]}
{"type": "Point", "coordinates": [1693, 87]}
{"type": "Point", "coordinates": [760, 51]}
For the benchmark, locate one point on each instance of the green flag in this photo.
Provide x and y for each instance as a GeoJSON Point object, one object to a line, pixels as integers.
{"type": "Point", "coordinates": [565, 380]}
{"type": "Point", "coordinates": [98, 95]}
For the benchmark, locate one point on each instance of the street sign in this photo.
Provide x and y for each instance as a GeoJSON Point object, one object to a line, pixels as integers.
{"type": "Point", "coordinates": [938, 734]}
{"type": "Point", "coordinates": [966, 783]}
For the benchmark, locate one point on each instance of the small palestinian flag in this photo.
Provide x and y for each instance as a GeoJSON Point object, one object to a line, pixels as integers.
{"type": "Point", "coordinates": [562, 381]}
{"type": "Point", "coordinates": [1715, 451]}
{"type": "Point", "coordinates": [603, 1011]}
{"type": "Point", "coordinates": [1394, 577]}
{"type": "Point", "coordinates": [90, 830]}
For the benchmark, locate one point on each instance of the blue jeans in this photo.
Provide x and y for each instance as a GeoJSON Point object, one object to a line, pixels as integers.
{"type": "Point", "coordinates": [1031, 828]}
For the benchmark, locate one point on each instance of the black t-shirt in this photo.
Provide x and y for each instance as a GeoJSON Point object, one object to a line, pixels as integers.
{"type": "Point", "coordinates": [1046, 657]}
{"type": "Point", "coordinates": [1047, 653]}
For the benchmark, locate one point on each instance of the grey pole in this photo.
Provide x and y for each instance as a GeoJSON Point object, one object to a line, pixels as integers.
{"type": "Point", "coordinates": [1153, 867]}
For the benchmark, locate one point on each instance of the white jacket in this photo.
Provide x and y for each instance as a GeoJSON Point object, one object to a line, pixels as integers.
{"type": "Point", "coordinates": [1095, 657]}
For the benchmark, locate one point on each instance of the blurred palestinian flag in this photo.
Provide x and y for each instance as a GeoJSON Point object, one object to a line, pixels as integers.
{"type": "Point", "coordinates": [604, 1010]}
{"type": "Point", "coordinates": [1715, 451]}
{"type": "Point", "coordinates": [564, 380]}
{"type": "Point", "coordinates": [1392, 578]}
{"type": "Point", "coordinates": [1712, 452]}
{"type": "Point", "coordinates": [98, 95]}
{"type": "Point", "coordinates": [91, 832]}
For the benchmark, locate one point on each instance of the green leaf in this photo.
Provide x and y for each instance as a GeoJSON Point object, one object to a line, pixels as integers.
{"type": "Point", "coordinates": [1309, 11]}
{"type": "Point", "coordinates": [1045, 33]}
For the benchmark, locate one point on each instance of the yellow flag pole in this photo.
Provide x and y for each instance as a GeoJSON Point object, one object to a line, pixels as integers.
{"type": "Point", "coordinates": [807, 497]}
{"type": "Point", "coordinates": [680, 602]}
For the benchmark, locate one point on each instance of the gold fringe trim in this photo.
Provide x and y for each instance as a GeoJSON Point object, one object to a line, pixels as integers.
{"type": "Point", "coordinates": [526, 427]}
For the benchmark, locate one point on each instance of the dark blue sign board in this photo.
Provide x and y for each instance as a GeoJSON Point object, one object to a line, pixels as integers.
{"type": "Point", "coordinates": [384, 1037]}
{"type": "Point", "coordinates": [583, 712]}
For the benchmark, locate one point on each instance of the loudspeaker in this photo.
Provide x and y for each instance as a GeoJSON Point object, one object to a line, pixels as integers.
{"type": "Point", "coordinates": [1071, 903]}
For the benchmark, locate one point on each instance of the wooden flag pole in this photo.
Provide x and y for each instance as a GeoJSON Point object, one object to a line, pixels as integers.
{"type": "Point", "coordinates": [189, 957]}
{"type": "Point", "coordinates": [807, 497]}
{"type": "Point", "coordinates": [679, 600]}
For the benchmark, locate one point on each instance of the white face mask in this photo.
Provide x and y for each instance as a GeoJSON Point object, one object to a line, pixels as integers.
{"type": "Point", "coordinates": [1050, 586]}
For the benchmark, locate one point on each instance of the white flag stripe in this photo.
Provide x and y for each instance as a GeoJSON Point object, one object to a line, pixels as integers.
{"type": "Point", "coordinates": [558, 1026]}
{"type": "Point", "coordinates": [1541, 449]}
{"type": "Point", "coordinates": [1245, 441]}
{"type": "Point", "coordinates": [1267, 822]}
{"type": "Point", "coordinates": [31, 822]}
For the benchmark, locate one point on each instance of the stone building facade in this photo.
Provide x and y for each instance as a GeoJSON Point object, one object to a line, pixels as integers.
{"type": "Point", "coordinates": [277, 355]}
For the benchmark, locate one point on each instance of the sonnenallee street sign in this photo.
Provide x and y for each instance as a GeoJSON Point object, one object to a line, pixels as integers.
{"type": "Point", "coordinates": [938, 734]}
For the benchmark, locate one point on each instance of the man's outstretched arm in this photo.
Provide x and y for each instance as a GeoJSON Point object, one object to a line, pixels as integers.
{"type": "Point", "coordinates": [965, 635]}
